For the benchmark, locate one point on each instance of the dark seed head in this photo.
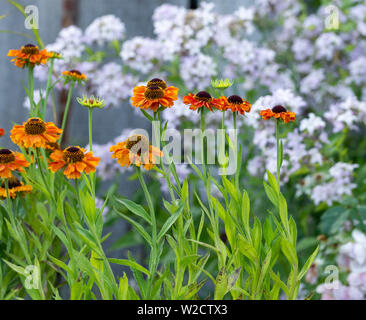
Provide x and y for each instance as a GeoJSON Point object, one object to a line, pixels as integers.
{"type": "Point", "coordinates": [30, 49]}
{"type": "Point", "coordinates": [6, 156]}
{"type": "Point", "coordinates": [73, 154]}
{"type": "Point", "coordinates": [138, 144]}
{"type": "Point", "coordinates": [154, 92]}
{"type": "Point", "coordinates": [157, 82]}
{"type": "Point", "coordinates": [13, 182]}
{"type": "Point", "coordinates": [72, 149]}
{"type": "Point", "coordinates": [35, 126]}
{"type": "Point", "coordinates": [278, 109]}
{"type": "Point", "coordinates": [76, 71]}
{"type": "Point", "coordinates": [5, 151]}
{"type": "Point", "coordinates": [203, 95]}
{"type": "Point", "coordinates": [235, 99]}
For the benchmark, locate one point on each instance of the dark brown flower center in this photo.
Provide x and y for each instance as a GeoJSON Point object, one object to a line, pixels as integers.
{"type": "Point", "coordinates": [203, 96]}
{"type": "Point", "coordinates": [234, 99]}
{"type": "Point", "coordinates": [30, 49]}
{"type": "Point", "coordinates": [154, 92]}
{"type": "Point", "coordinates": [73, 155]}
{"type": "Point", "coordinates": [76, 71]}
{"type": "Point", "coordinates": [278, 109]}
{"type": "Point", "coordinates": [157, 82]}
{"type": "Point", "coordinates": [13, 182]}
{"type": "Point", "coordinates": [35, 126]}
{"type": "Point", "coordinates": [138, 144]}
{"type": "Point", "coordinates": [6, 156]}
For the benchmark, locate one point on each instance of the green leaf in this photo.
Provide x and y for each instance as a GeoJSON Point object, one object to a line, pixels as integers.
{"type": "Point", "coordinates": [272, 195]}
{"type": "Point", "coordinates": [170, 222]}
{"type": "Point", "coordinates": [134, 208]}
{"type": "Point", "coordinates": [131, 264]}
{"type": "Point", "coordinates": [233, 278]}
{"type": "Point", "coordinates": [245, 211]}
{"type": "Point", "coordinates": [192, 290]}
{"type": "Point", "coordinates": [149, 117]}
{"type": "Point", "coordinates": [265, 265]}
{"type": "Point", "coordinates": [231, 189]}
{"type": "Point", "coordinates": [138, 226]}
{"type": "Point", "coordinates": [221, 284]}
{"type": "Point", "coordinates": [307, 264]}
{"type": "Point", "coordinates": [289, 251]}
{"type": "Point", "coordinates": [273, 182]}
{"type": "Point", "coordinates": [279, 282]}
{"type": "Point", "coordinates": [247, 249]}
{"type": "Point", "coordinates": [282, 204]}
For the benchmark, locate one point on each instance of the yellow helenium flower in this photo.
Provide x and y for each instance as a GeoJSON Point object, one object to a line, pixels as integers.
{"type": "Point", "coordinates": [91, 102]}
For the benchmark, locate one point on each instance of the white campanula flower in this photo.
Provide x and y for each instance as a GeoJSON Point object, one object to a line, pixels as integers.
{"type": "Point", "coordinates": [197, 71]}
{"type": "Point", "coordinates": [357, 70]}
{"type": "Point", "coordinates": [112, 84]}
{"type": "Point", "coordinates": [139, 53]}
{"type": "Point", "coordinates": [302, 49]}
{"type": "Point", "coordinates": [347, 113]}
{"type": "Point", "coordinates": [339, 183]}
{"type": "Point", "coordinates": [312, 123]}
{"type": "Point", "coordinates": [69, 42]}
{"type": "Point", "coordinates": [105, 29]}
{"type": "Point", "coordinates": [327, 44]}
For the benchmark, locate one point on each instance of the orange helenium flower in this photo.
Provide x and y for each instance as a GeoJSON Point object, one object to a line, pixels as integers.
{"type": "Point", "coordinates": [29, 55]}
{"type": "Point", "coordinates": [235, 104]}
{"type": "Point", "coordinates": [35, 133]}
{"type": "Point", "coordinates": [154, 94]}
{"type": "Point", "coordinates": [202, 99]}
{"type": "Point", "coordinates": [2, 132]}
{"type": "Point", "coordinates": [136, 150]}
{"type": "Point", "coordinates": [15, 187]}
{"type": "Point", "coordinates": [278, 112]}
{"type": "Point", "coordinates": [75, 75]}
{"type": "Point", "coordinates": [76, 161]}
{"type": "Point", "coordinates": [11, 161]}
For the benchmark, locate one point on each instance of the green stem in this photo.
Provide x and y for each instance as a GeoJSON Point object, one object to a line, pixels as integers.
{"type": "Point", "coordinates": [91, 129]}
{"type": "Point", "coordinates": [203, 158]}
{"type": "Point", "coordinates": [92, 176]}
{"type": "Point", "coordinates": [31, 90]}
{"type": "Point", "coordinates": [236, 152]}
{"type": "Point", "coordinates": [48, 88]}
{"type": "Point", "coordinates": [8, 201]}
{"type": "Point", "coordinates": [166, 174]}
{"type": "Point", "coordinates": [154, 245]}
{"type": "Point", "coordinates": [66, 110]}
{"type": "Point", "coordinates": [278, 151]}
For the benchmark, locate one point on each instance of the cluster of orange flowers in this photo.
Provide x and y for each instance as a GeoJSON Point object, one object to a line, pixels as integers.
{"type": "Point", "coordinates": [156, 93]}
{"type": "Point", "coordinates": [73, 161]}
{"type": "Point", "coordinates": [35, 133]}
